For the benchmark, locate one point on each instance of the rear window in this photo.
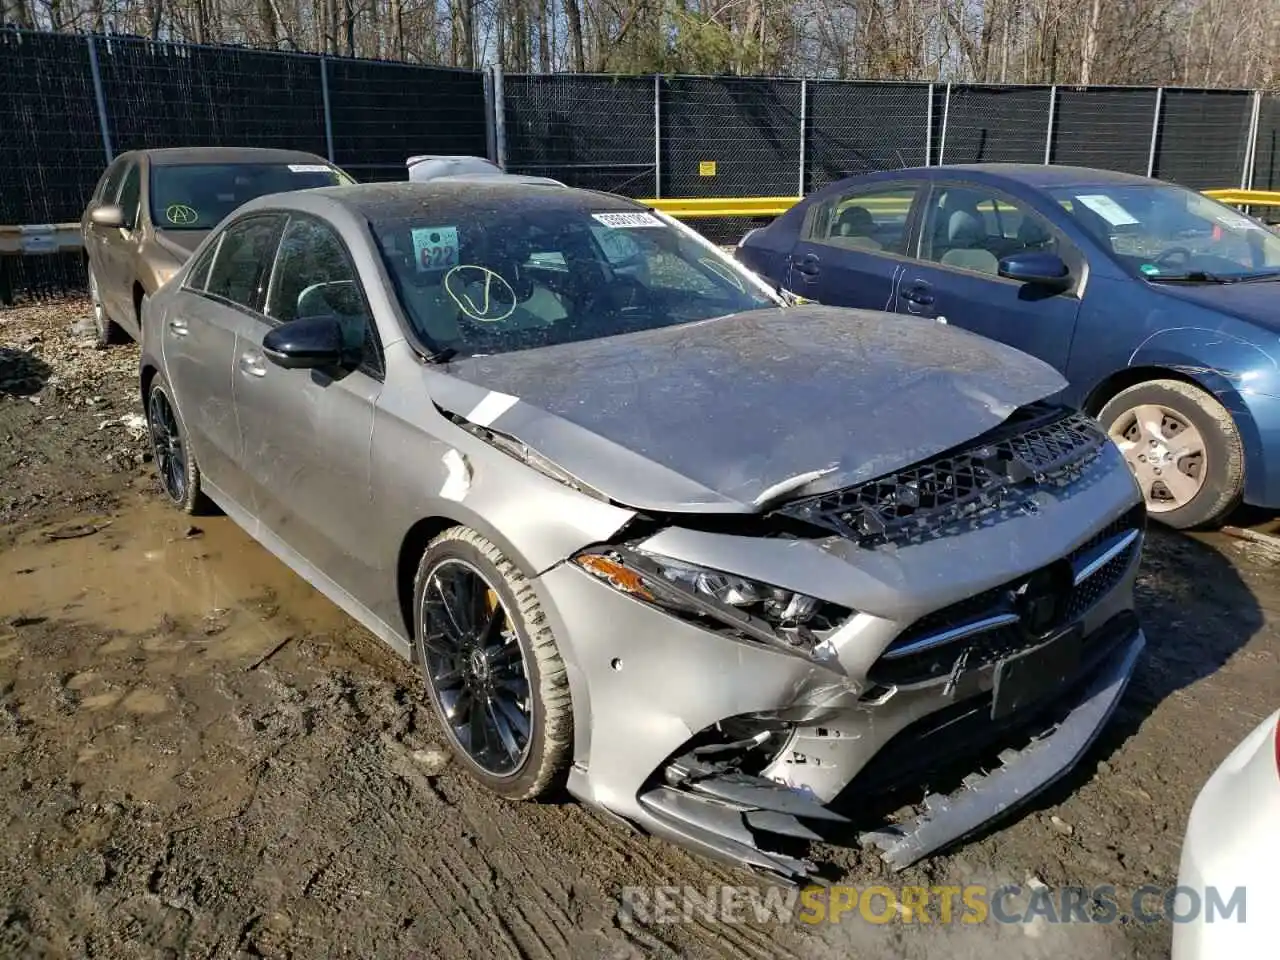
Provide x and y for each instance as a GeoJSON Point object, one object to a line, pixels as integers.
{"type": "Point", "coordinates": [198, 196]}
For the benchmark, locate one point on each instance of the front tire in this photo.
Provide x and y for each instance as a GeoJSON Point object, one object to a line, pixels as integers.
{"type": "Point", "coordinates": [105, 330]}
{"type": "Point", "coordinates": [492, 667]}
{"type": "Point", "coordinates": [175, 463]}
{"type": "Point", "coordinates": [1183, 448]}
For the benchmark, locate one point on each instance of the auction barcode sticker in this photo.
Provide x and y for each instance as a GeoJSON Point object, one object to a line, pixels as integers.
{"type": "Point", "coordinates": [625, 220]}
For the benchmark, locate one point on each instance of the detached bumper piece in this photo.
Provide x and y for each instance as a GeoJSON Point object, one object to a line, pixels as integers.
{"type": "Point", "coordinates": [738, 818]}
{"type": "Point", "coordinates": [1022, 774]}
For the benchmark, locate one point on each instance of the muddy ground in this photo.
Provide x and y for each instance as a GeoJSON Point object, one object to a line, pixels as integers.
{"type": "Point", "coordinates": [203, 757]}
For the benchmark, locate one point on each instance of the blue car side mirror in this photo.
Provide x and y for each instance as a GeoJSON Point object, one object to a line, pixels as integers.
{"type": "Point", "coordinates": [1036, 267]}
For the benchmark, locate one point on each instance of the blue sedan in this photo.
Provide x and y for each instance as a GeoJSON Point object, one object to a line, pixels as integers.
{"type": "Point", "coordinates": [1160, 306]}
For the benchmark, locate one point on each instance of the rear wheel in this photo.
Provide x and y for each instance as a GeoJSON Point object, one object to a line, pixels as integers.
{"type": "Point", "coordinates": [1183, 448]}
{"type": "Point", "coordinates": [492, 667]}
{"type": "Point", "coordinates": [105, 330]}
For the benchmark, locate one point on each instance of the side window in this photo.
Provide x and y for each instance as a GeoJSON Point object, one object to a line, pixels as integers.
{"type": "Point", "coordinates": [243, 262]}
{"type": "Point", "coordinates": [110, 184]}
{"type": "Point", "coordinates": [314, 277]}
{"type": "Point", "coordinates": [972, 228]}
{"type": "Point", "coordinates": [867, 218]}
{"type": "Point", "coordinates": [199, 273]}
{"type": "Point", "coordinates": [130, 194]}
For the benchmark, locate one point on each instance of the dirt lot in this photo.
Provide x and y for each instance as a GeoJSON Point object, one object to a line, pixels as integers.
{"type": "Point", "coordinates": [203, 757]}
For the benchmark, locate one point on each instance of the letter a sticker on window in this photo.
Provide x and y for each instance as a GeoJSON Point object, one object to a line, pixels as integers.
{"type": "Point", "coordinates": [435, 248]}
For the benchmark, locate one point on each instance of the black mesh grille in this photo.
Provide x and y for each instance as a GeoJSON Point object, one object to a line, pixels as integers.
{"type": "Point", "coordinates": [749, 130]}
{"type": "Point", "coordinates": [926, 501]}
{"type": "Point", "coordinates": [988, 124]}
{"type": "Point", "coordinates": [51, 152]}
{"type": "Point", "coordinates": [586, 131]}
{"type": "Point", "coordinates": [853, 128]}
{"type": "Point", "coordinates": [1203, 137]}
{"type": "Point", "coordinates": [985, 648]}
{"type": "Point", "coordinates": [1104, 127]}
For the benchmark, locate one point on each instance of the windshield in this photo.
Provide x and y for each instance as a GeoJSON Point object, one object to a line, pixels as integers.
{"type": "Point", "coordinates": [485, 280]}
{"type": "Point", "coordinates": [1165, 232]}
{"type": "Point", "coordinates": [198, 196]}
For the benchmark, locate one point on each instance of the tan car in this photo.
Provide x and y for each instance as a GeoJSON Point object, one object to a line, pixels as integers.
{"type": "Point", "coordinates": [151, 208]}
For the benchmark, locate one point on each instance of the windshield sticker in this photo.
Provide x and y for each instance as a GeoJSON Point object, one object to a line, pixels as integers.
{"type": "Point", "coordinates": [480, 293]}
{"type": "Point", "coordinates": [1235, 221]}
{"type": "Point", "coordinates": [1108, 209]}
{"type": "Point", "coordinates": [308, 168]}
{"type": "Point", "coordinates": [435, 248]}
{"type": "Point", "coordinates": [623, 221]}
{"type": "Point", "coordinates": [1150, 269]}
{"type": "Point", "coordinates": [180, 215]}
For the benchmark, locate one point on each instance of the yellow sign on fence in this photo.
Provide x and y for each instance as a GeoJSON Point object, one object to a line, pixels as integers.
{"type": "Point", "coordinates": [706, 168]}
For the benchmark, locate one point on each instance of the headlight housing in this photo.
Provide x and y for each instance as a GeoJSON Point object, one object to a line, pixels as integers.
{"type": "Point", "coordinates": [717, 600]}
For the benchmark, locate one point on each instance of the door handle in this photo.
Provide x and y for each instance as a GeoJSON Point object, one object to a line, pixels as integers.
{"type": "Point", "coordinates": [917, 295]}
{"type": "Point", "coordinates": [178, 327]}
{"type": "Point", "coordinates": [253, 364]}
{"type": "Point", "coordinates": [808, 265]}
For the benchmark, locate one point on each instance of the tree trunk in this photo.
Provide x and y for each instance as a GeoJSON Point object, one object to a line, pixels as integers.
{"type": "Point", "coordinates": [1089, 47]}
{"type": "Point", "coordinates": [573, 14]}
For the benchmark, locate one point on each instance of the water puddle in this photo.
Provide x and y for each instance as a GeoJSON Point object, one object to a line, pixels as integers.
{"type": "Point", "coordinates": [148, 565]}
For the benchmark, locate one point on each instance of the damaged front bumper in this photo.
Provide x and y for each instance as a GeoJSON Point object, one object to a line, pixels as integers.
{"type": "Point", "coordinates": [724, 740]}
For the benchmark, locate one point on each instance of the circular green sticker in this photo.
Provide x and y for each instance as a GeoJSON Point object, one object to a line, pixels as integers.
{"type": "Point", "coordinates": [1150, 269]}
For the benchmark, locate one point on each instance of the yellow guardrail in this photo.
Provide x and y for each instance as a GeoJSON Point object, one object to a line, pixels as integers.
{"type": "Point", "coordinates": [1246, 198]}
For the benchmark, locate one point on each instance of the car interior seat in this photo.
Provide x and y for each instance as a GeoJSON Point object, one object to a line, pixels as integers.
{"type": "Point", "coordinates": [855, 228]}
{"type": "Point", "coordinates": [965, 235]}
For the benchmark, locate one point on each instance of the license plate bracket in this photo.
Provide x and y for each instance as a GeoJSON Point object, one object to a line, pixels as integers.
{"type": "Point", "coordinates": [1032, 675]}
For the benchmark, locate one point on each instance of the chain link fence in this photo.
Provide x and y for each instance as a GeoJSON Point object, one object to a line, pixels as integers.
{"type": "Point", "coordinates": [70, 102]}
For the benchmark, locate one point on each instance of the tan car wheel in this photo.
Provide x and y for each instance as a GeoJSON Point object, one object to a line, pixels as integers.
{"type": "Point", "coordinates": [1183, 448]}
{"type": "Point", "coordinates": [105, 330]}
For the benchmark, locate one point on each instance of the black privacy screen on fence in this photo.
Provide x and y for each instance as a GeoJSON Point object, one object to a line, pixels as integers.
{"type": "Point", "coordinates": [384, 113]}
{"type": "Point", "coordinates": [166, 95]}
{"type": "Point", "coordinates": [587, 131]}
{"type": "Point", "coordinates": [730, 137]}
{"type": "Point", "coordinates": [1104, 127]}
{"type": "Point", "coordinates": [995, 124]}
{"type": "Point", "coordinates": [853, 127]}
{"type": "Point", "coordinates": [68, 102]}
{"type": "Point", "coordinates": [51, 151]}
{"type": "Point", "coordinates": [1203, 137]}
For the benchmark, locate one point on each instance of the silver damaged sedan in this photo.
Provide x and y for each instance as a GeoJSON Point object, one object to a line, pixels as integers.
{"type": "Point", "coordinates": [741, 571]}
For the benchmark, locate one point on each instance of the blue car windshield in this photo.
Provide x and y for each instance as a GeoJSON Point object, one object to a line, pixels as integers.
{"type": "Point", "coordinates": [1166, 232]}
{"type": "Point", "coordinates": [484, 279]}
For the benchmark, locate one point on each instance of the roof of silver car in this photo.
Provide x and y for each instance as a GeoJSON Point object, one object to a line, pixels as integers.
{"type": "Point", "coordinates": [173, 156]}
{"type": "Point", "coordinates": [395, 200]}
{"type": "Point", "coordinates": [429, 167]}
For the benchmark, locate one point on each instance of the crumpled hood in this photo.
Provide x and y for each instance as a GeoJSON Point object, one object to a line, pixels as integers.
{"type": "Point", "coordinates": [1257, 301]}
{"type": "Point", "coordinates": [180, 243]}
{"type": "Point", "coordinates": [710, 416]}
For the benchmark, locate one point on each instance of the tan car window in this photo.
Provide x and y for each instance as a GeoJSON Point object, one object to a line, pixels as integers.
{"type": "Point", "coordinates": [130, 194]}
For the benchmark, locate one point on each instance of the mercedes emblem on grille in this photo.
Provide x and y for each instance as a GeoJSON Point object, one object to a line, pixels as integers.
{"type": "Point", "coordinates": [1041, 600]}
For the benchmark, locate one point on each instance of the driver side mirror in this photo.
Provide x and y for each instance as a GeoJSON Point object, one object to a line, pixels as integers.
{"type": "Point", "coordinates": [1036, 267]}
{"type": "Point", "coordinates": [309, 343]}
{"type": "Point", "coordinates": [107, 215]}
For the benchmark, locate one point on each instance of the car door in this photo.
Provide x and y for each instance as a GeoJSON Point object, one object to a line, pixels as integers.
{"type": "Point", "coordinates": [965, 230]}
{"type": "Point", "coordinates": [119, 251]}
{"type": "Point", "coordinates": [221, 296]}
{"type": "Point", "coordinates": [307, 433]}
{"type": "Point", "coordinates": [853, 245]}
{"type": "Point", "coordinates": [97, 238]}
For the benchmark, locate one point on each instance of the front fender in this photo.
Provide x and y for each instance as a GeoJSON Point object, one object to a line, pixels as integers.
{"type": "Point", "coordinates": [1243, 377]}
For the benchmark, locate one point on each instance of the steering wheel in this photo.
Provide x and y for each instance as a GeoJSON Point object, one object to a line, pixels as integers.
{"type": "Point", "coordinates": [1174, 253]}
{"type": "Point", "coordinates": [624, 296]}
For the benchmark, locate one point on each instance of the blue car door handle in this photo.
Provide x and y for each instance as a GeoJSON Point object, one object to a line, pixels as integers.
{"type": "Point", "coordinates": [808, 265]}
{"type": "Point", "coordinates": [918, 294]}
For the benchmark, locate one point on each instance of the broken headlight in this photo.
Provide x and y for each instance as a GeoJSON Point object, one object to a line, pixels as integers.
{"type": "Point", "coordinates": [715, 599]}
